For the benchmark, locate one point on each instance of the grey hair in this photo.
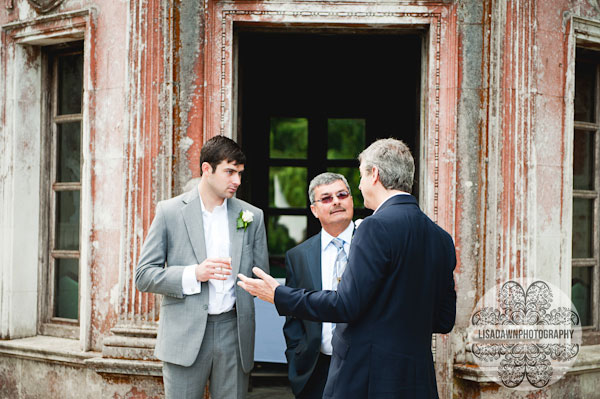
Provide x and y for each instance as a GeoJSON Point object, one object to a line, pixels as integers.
{"type": "Point", "coordinates": [393, 160]}
{"type": "Point", "coordinates": [325, 178]}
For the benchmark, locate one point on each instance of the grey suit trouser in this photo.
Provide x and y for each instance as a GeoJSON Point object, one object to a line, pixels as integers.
{"type": "Point", "coordinates": [218, 360]}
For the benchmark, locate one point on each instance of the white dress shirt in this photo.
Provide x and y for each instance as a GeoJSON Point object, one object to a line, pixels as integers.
{"type": "Point", "coordinates": [221, 293]}
{"type": "Point", "coordinates": [328, 255]}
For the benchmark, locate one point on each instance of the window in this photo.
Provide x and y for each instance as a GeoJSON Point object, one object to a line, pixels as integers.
{"type": "Point", "coordinates": [294, 148]}
{"type": "Point", "coordinates": [62, 136]}
{"type": "Point", "coordinates": [584, 284]}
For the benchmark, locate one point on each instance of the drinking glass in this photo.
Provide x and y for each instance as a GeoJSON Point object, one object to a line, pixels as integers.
{"type": "Point", "coordinates": [222, 252]}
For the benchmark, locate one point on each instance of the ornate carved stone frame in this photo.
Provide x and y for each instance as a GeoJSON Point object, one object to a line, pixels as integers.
{"type": "Point", "coordinates": [438, 106]}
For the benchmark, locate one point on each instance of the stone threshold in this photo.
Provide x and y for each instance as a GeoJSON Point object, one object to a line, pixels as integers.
{"type": "Point", "coordinates": [48, 349]}
{"type": "Point", "coordinates": [588, 361]}
{"type": "Point", "coordinates": [68, 352]}
{"type": "Point", "coordinates": [128, 367]}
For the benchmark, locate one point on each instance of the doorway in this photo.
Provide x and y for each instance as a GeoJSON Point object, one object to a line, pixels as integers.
{"type": "Point", "coordinates": [310, 102]}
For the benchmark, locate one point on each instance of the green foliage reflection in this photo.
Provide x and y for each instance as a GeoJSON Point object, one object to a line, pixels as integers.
{"type": "Point", "coordinates": [345, 138]}
{"type": "Point", "coordinates": [292, 183]}
{"type": "Point", "coordinates": [288, 138]}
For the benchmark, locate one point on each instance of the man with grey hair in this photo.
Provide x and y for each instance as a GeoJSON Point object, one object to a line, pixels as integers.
{"type": "Point", "coordinates": [317, 263]}
{"type": "Point", "coordinates": [397, 289]}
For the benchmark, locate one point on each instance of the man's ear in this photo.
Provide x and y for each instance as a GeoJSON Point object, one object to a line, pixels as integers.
{"type": "Point", "coordinates": [374, 175]}
{"type": "Point", "coordinates": [313, 210]}
{"type": "Point", "coordinates": [206, 168]}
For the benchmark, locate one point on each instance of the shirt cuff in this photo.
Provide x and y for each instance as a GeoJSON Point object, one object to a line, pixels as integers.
{"type": "Point", "coordinates": [189, 283]}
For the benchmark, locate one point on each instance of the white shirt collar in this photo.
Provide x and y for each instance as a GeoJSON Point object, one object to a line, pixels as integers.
{"type": "Point", "coordinates": [345, 235]}
{"type": "Point", "coordinates": [388, 198]}
{"type": "Point", "coordinates": [217, 209]}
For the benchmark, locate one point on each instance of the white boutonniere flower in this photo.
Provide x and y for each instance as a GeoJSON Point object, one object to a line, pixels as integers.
{"type": "Point", "coordinates": [357, 223]}
{"type": "Point", "coordinates": [244, 219]}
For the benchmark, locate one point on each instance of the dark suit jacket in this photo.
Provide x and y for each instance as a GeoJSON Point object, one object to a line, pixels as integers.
{"type": "Point", "coordinates": [303, 337]}
{"type": "Point", "coordinates": [397, 290]}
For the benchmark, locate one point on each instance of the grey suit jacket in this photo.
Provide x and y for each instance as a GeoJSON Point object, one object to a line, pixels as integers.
{"type": "Point", "coordinates": [176, 240]}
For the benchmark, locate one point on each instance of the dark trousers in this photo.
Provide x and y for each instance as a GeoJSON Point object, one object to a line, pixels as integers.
{"type": "Point", "coordinates": [316, 383]}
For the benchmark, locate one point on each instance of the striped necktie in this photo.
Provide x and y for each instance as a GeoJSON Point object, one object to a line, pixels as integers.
{"type": "Point", "coordinates": [340, 262]}
{"type": "Point", "coordinates": [338, 267]}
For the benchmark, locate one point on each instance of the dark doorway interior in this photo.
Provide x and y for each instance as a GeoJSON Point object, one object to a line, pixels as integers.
{"type": "Point", "coordinates": [309, 103]}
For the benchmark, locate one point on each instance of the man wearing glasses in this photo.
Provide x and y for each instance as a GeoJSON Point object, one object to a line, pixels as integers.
{"type": "Point", "coordinates": [317, 264]}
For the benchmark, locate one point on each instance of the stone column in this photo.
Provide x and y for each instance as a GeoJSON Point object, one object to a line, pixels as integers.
{"type": "Point", "coordinates": [148, 168]}
{"type": "Point", "coordinates": [522, 230]}
{"type": "Point", "coordinates": [508, 163]}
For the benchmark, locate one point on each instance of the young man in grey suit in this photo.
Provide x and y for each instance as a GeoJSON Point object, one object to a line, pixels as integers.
{"type": "Point", "coordinates": [397, 289]}
{"type": "Point", "coordinates": [196, 245]}
{"type": "Point", "coordinates": [312, 266]}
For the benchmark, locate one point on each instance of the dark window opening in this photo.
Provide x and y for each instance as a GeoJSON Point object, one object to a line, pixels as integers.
{"type": "Point", "coordinates": [310, 103]}
{"type": "Point", "coordinates": [62, 133]}
{"type": "Point", "coordinates": [586, 151]}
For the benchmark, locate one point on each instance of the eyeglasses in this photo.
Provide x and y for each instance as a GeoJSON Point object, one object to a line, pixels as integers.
{"type": "Point", "coordinates": [341, 196]}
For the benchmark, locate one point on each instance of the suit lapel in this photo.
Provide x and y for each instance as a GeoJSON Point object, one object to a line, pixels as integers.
{"type": "Point", "coordinates": [236, 236]}
{"type": "Point", "coordinates": [192, 217]}
{"type": "Point", "coordinates": [314, 262]}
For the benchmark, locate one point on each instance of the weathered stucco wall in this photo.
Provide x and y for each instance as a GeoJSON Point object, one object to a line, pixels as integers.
{"type": "Point", "coordinates": [470, 125]}
{"type": "Point", "coordinates": [578, 386]}
{"type": "Point", "coordinates": [188, 75]}
{"type": "Point", "coordinates": [109, 121]}
{"type": "Point", "coordinates": [21, 378]}
{"type": "Point", "coordinates": [19, 194]}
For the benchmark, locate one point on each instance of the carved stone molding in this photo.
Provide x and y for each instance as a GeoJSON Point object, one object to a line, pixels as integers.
{"type": "Point", "coordinates": [511, 43]}
{"type": "Point", "coordinates": [432, 19]}
{"type": "Point", "coordinates": [50, 29]}
{"type": "Point", "coordinates": [586, 30]}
